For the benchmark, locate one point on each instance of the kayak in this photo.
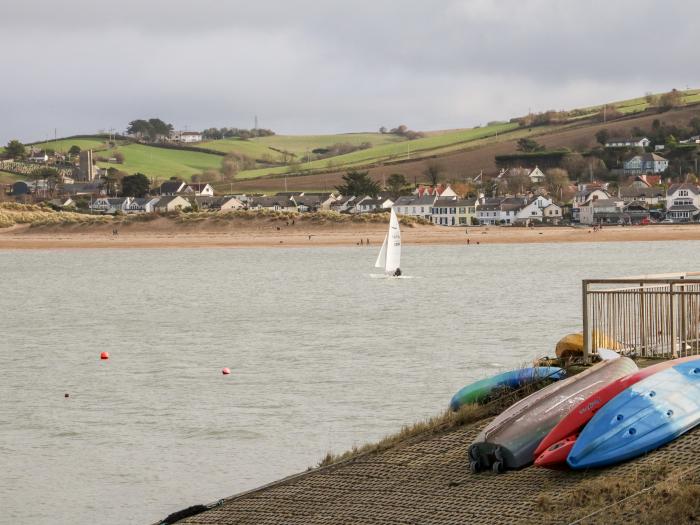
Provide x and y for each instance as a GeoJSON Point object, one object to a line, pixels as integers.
{"type": "Point", "coordinates": [510, 440]}
{"type": "Point", "coordinates": [481, 390]}
{"type": "Point", "coordinates": [641, 418]}
{"type": "Point", "coordinates": [563, 435]}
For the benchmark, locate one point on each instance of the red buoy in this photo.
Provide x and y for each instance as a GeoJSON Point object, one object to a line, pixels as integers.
{"type": "Point", "coordinates": [104, 355]}
{"type": "Point", "coordinates": [225, 371]}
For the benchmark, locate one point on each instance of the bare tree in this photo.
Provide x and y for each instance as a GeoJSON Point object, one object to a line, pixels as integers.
{"type": "Point", "coordinates": [433, 171]}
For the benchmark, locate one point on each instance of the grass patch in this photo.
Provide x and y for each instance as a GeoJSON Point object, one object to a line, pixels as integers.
{"type": "Point", "coordinates": [163, 163]}
{"type": "Point", "coordinates": [666, 496]}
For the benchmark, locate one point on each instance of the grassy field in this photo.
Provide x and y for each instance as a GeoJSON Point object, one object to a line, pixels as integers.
{"type": "Point", "coordinates": [9, 178]}
{"type": "Point", "coordinates": [299, 145]}
{"type": "Point", "coordinates": [63, 145]}
{"type": "Point", "coordinates": [249, 148]}
{"type": "Point", "coordinates": [392, 151]}
{"type": "Point", "coordinates": [163, 163]}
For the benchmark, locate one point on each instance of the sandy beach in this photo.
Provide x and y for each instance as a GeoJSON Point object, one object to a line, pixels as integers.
{"type": "Point", "coordinates": [164, 233]}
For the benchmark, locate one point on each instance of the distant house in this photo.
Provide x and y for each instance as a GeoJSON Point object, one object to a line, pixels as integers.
{"type": "Point", "coordinates": [436, 191]}
{"type": "Point", "coordinates": [186, 137]}
{"type": "Point", "coordinates": [634, 142]}
{"type": "Point", "coordinates": [552, 213]}
{"type": "Point", "coordinates": [307, 203]}
{"type": "Point", "coordinates": [325, 199]}
{"type": "Point", "coordinates": [602, 211]}
{"type": "Point", "coordinates": [635, 212]}
{"type": "Point", "coordinates": [683, 202]}
{"type": "Point", "coordinates": [111, 205]}
{"type": "Point", "coordinates": [511, 210]}
{"type": "Point", "coordinates": [651, 196]}
{"type": "Point", "coordinates": [343, 204]}
{"type": "Point", "coordinates": [649, 162]}
{"type": "Point", "coordinates": [171, 203]}
{"type": "Point", "coordinates": [66, 202]}
{"type": "Point", "coordinates": [368, 204]}
{"type": "Point", "coordinates": [536, 176]}
{"type": "Point", "coordinates": [272, 203]}
{"type": "Point", "coordinates": [199, 189]}
{"type": "Point", "coordinates": [172, 187]}
{"type": "Point", "coordinates": [453, 212]}
{"type": "Point", "coordinates": [415, 206]}
{"type": "Point", "coordinates": [38, 157]}
{"type": "Point", "coordinates": [226, 203]}
{"type": "Point", "coordinates": [142, 205]}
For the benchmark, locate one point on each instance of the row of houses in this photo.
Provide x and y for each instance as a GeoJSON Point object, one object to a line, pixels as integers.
{"type": "Point", "coordinates": [678, 203]}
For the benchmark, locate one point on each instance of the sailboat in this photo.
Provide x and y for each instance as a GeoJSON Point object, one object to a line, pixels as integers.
{"type": "Point", "coordinates": [390, 253]}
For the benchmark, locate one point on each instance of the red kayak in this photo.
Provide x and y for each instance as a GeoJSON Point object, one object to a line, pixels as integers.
{"type": "Point", "coordinates": [555, 456]}
{"type": "Point", "coordinates": [563, 435]}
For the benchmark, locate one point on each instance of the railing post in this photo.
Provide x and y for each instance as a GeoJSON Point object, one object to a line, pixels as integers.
{"type": "Point", "coordinates": [672, 320]}
{"type": "Point", "coordinates": [586, 327]}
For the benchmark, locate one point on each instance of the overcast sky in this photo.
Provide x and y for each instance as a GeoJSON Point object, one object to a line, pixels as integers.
{"type": "Point", "coordinates": [323, 66]}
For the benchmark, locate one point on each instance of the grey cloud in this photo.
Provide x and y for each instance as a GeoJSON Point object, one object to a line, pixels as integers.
{"type": "Point", "coordinates": [307, 66]}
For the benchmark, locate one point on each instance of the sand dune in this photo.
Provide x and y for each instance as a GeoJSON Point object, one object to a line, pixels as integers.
{"type": "Point", "coordinates": [165, 233]}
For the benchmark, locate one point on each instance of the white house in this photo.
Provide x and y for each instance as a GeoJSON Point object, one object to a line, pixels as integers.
{"type": "Point", "coordinates": [199, 189]}
{"type": "Point", "coordinates": [272, 203]}
{"type": "Point", "coordinates": [602, 211]}
{"type": "Point", "coordinates": [453, 212]}
{"type": "Point", "coordinates": [110, 205]}
{"type": "Point", "coordinates": [343, 204]}
{"type": "Point", "coordinates": [649, 162]}
{"type": "Point", "coordinates": [637, 142]}
{"type": "Point", "coordinates": [226, 203]}
{"type": "Point", "coordinates": [142, 205]}
{"type": "Point", "coordinates": [171, 203]}
{"type": "Point", "coordinates": [532, 210]}
{"type": "Point", "coordinates": [552, 213]}
{"type": "Point", "coordinates": [172, 187]}
{"type": "Point", "coordinates": [368, 204]}
{"type": "Point", "coordinates": [683, 202]}
{"type": "Point", "coordinates": [186, 137]}
{"type": "Point", "coordinates": [536, 176]}
{"type": "Point", "coordinates": [416, 206]}
{"type": "Point", "coordinates": [38, 157]}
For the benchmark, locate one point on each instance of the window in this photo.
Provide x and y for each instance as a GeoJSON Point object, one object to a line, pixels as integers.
{"type": "Point", "coordinates": [462, 210]}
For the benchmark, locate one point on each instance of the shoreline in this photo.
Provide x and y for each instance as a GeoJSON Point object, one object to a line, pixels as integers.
{"type": "Point", "coordinates": [270, 235]}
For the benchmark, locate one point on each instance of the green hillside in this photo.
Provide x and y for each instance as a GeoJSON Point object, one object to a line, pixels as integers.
{"type": "Point", "coordinates": [393, 151]}
{"type": "Point", "coordinates": [270, 148]}
{"type": "Point", "coordinates": [162, 163]}
{"type": "Point", "coordinates": [63, 145]}
{"type": "Point", "coordinates": [386, 148]}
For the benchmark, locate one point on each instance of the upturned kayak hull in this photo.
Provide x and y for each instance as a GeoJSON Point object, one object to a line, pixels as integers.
{"type": "Point", "coordinates": [642, 418]}
{"type": "Point", "coordinates": [480, 391]}
{"type": "Point", "coordinates": [574, 421]}
{"type": "Point", "coordinates": [510, 440]}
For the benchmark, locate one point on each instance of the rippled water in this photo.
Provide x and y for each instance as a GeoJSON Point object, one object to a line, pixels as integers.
{"type": "Point", "coordinates": [322, 357]}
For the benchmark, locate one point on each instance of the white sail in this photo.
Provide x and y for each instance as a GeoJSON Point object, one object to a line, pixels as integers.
{"type": "Point", "coordinates": [393, 248]}
{"type": "Point", "coordinates": [381, 258]}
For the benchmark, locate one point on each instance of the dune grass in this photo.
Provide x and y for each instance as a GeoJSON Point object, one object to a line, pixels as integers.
{"type": "Point", "coordinates": [13, 213]}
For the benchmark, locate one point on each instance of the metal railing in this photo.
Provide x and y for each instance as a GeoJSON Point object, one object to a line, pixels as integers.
{"type": "Point", "coordinates": [648, 316]}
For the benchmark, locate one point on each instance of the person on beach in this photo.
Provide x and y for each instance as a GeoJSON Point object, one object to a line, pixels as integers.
{"type": "Point", "coordinates": [467, 242]}
{"type": "Point", "coordinates": [361, 242]}
{"type": "Point", "coordinates": [368, 241]}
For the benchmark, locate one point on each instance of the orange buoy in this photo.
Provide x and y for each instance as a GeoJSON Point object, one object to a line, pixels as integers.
{"type": "Point", "coordinates": [104, 355]}
{"type": "Point", "coordinates": [225, 371]}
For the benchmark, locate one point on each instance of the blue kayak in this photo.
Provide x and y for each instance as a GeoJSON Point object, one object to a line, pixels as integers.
{"type": "Point", "coordinates": [641, 418]}
{"type": "Point", "coordinates": [482, 390]}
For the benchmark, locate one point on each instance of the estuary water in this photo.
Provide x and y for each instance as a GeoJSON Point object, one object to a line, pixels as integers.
{"type": "Point", "coordinates": [322, 358]}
